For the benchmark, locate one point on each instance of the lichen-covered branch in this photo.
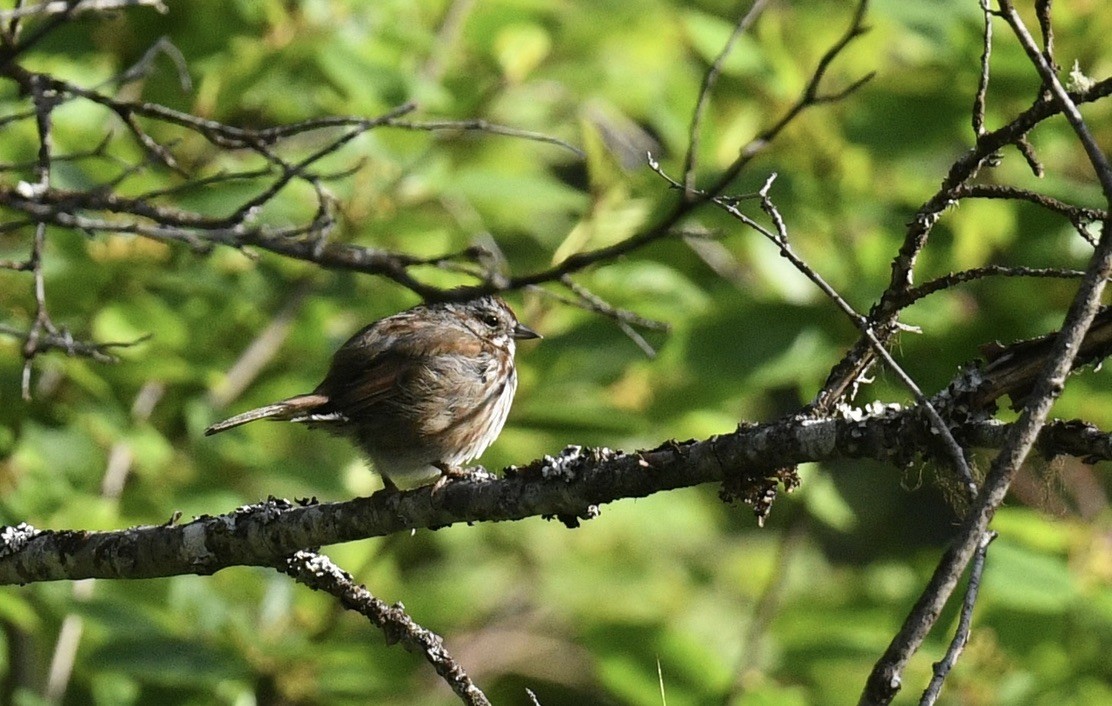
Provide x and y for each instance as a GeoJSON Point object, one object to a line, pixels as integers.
{"type": "Point", "coordinates": [751, 462]}
{"type": "Point", "coordinates": [319, 573]}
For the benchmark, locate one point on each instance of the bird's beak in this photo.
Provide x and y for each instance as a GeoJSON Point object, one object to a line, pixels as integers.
{"type": "Point", "coordinates": [521, 331]}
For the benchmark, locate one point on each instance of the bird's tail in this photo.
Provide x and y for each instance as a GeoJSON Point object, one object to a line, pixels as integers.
{"type": "Point", "coordinates": [297, 408]}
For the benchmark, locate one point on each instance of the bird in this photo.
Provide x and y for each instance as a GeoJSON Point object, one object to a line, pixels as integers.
{"type": "Point", "coordinates": [420, 392]}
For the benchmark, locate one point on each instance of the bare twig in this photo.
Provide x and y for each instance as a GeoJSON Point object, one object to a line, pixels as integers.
{"type": "Point", "coordinates": [319, 573]}
{"type": "Point", "coordinates": [103, 210]}
{"type": "Point", "coordinates": [780, 239]}
{"type": "Point", "coordinates": [710, 78]}
{"type": "Point", "coordinates": [69, 209]}
{"type": "Point", "coordinates": [810, 97]}
{"type": "Point", "coordinates": [982, 85]}
{"type": "Point", "coordinates": [96, 151]}
{"type": "Point", "coordinates": [44, 106]}
{"type": "Point", "coordinates": [965, 622]}
{"type": "Point", "coordinates": [1079, 216]}
{"type": "Point", "coordinates": [885, 679]}
{"type": "Point", "coordinates": [1062, 97]}
{"type": "Point", "coordinates": [951, 280]}
{"type": "Point", "coordinates": [61, 339]}
{"type": "Point", "coordinates": [664, 228]}
{"type": "Point", "coordinates": [859, 359]}
{"type": "Point", "coordinates": [1046, 27]}
{"type": "Point", "coordinates": [625, 320]}
{"type": "Point", "coordinates": [10, 50]}
{"type": "Point", "coordinates": [487, 127]}
{"type": "Point", "coordinates": [145, 65]}
{"type": "Point", "coordinates": [953, 448]}
{"type": "Point", "coordinates": [1023, 144]}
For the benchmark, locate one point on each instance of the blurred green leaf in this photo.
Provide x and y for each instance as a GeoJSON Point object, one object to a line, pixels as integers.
{"type": "Point", "coordinates": [708, 35]}
{"type": "Point", "coordinates": [1027, 580]}
{"type": "Point", "coordinates": [169, 661]}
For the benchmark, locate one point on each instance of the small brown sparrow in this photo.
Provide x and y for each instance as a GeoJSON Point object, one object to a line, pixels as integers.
{"type": "Point", "coordinates": [420, 392]}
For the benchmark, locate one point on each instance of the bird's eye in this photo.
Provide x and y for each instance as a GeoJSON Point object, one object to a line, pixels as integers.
{"type": "Point", "coordinates": [490, 320]}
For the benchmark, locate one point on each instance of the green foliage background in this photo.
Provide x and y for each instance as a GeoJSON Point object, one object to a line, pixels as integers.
{"type": "Point", "coordinates": [657, 594]}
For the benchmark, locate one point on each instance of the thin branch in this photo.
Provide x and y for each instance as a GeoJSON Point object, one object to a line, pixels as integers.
{"type": "Point", "coordinates": [145, 65]}
{"type": "Point", "coordinates": [1023, 144]}
{"type": "Point", "coordinates": [9, 33]}
{"type": "Point", "coordinates": [1046, 27]}
{"type": "Point", "coordinates": [196, 182]}
{"type": "Point", "coordinates": [810, 97]}
{"type": "Point", "coordinates": [780, 239]}
{"type": "Point", "coordinates": [955, 278]}
{"type": "Point", "coordinates": [41, 325]}
{"type": "Point", "coordinates": [310, 241]}
{"type": "Point", "coordinates": [884, 681]}
{"type": "Point", "coordinates": [319, 573]}
{"type": "Point", "coordinates": [1062, 97]}
{"type": "Point", "coordinates": [151, 146]}
{"type": "Point", "coordinates": [1079, 216]}
{"type": "Point", "coordinates": [953, 448]}
{"type": "Point", "coordinates": [710, 78]}
{"type": "Point", "coordinates": [664, 228]}
{"type": "Point", "coordinates": [96, 151]}
{"type": "Point", "coordinates": [982, 84]}
{"type": "Point", "coordinates": [10, 52]}
{"type": "Point", "coordinates": [290, 171]}
{"type": "Point", "coordinates": [16, 117]}
{"type": "Point", "coordinates": [625, 320]}
{"type": "Point", "coordinates": [63, 340]}
{"type": "Point", "coordinates": [233, 229]}
{"type": "Point", "coordinates": [965, 622]}
{"type": "Point", "coordinates": [855, 364]}
{"type": "Point", "coordinates": [487, 127]}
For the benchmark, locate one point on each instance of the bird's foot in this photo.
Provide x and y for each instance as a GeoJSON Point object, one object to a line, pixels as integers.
{"type": "Point", "coordinates": [448, 473]}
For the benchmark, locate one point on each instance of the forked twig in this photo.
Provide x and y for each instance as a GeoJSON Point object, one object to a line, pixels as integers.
{"type": "Point", "coordinates": [885, 679]}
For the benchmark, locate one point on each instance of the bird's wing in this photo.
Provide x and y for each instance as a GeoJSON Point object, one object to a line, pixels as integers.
{"type": "Point", "coordinates": [376, 366]}
{"type": "Point", "coordinates": [357, 382]}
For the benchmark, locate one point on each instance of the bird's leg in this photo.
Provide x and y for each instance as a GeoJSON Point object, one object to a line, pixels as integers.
{"type": "Point", "coordinates": [447, 473]}
{"type": "Point", "coordinates": [388, 486]}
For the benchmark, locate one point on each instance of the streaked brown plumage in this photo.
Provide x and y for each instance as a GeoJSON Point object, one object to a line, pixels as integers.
{"type": "Point", "coordinates": [420, 392]}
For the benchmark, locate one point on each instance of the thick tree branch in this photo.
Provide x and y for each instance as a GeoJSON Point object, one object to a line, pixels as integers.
{"type": "Point", "coordinates": [752, 461]}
